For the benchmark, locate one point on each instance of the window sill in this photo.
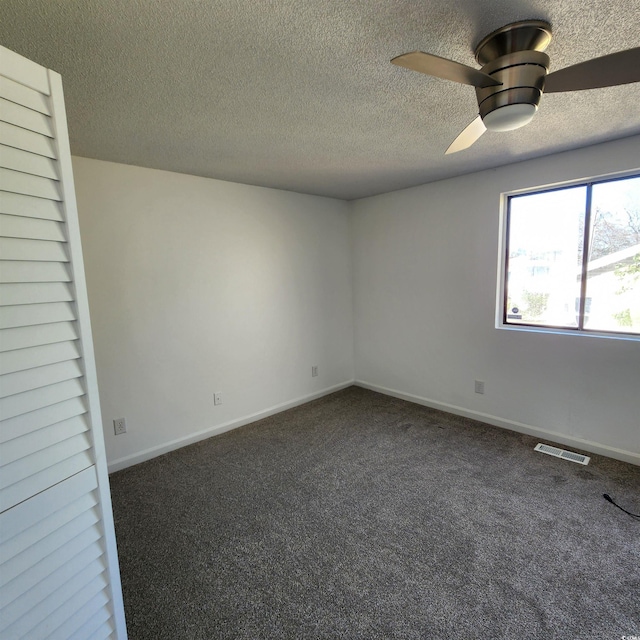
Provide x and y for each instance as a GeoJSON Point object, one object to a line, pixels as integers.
{"type": "Point", "coordinates": [568, 332]}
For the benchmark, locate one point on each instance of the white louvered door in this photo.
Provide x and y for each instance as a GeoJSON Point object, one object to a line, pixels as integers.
{"type": "Point", "coordinates": [58, 564]}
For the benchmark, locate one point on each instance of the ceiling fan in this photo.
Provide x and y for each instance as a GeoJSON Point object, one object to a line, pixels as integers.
{"type": "Point", "coordinates": [514, 76]}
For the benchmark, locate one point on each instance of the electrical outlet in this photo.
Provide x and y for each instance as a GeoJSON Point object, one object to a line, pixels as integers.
{"type": "Point", "coordinates": [314, 371]}
{"type": "Point", "coordinates": [217, 398]}
{"type": "Point", "coordinates": [119, 426]}
{"type": "Point", "coordinates": [479, 386]}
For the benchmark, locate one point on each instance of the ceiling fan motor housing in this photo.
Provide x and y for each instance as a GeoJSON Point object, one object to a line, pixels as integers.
{"type": "Point", "coordinates": [522, 76]}
{"type": "Point", "coordinates": [514, 56]}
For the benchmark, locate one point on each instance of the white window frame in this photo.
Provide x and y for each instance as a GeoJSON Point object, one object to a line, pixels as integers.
{"type": "Point", "coordinates": [502, 260]}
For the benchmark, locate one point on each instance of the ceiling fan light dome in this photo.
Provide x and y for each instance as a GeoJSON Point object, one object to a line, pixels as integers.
{"type": "Point", "coordinates": [509, 117]}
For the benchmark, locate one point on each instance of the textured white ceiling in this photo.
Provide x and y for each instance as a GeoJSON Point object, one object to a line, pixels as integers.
{"type": "Point", "coordinates": [300, 94]}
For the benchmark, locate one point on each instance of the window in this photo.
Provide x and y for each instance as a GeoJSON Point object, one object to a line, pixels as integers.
{"type": "Point", "coordinates": [572, 258]}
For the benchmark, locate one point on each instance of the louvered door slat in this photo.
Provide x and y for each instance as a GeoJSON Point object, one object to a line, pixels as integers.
{"type": "Point", "coordinates": [21, 381]}
{"type": "Point", "coordinates": [40, 250]}
{"type": "Point", "coordinates": [51, 561]}
{"type": "Point", "coordinates": [24, 117]}
{"type": "Point", "coordinates": [96, 616]}
{"type": "Point", "coordinates": [54, 534]}
{"type": "Point", "coordinates": [34, 293]}
{"type": "Point", "coordinates": [80, 597]}
{"type": "Point", "coordinates": [35, 314]}
{"type": "Point", "coordinates": [20, 138]}
{"type": "Point", "coordinates": [41, 439]}
{"type": "Point", "coordinates": [30, 185]}
{"type": "Point", "coordinates": [18, 204]}
{"type": "Point", "coordinates": [39, 480]}
{"type": "Point", "coordinates": [58, 569]}
{"type": "Point", "coordinates": [20, 69]}
{"type": "Point", "coordinates": [25, 337]}
{"type": "Point", "coordinates": [23, 271]}
{"type": "Point", "coordinates": [22, 563]}
{"type": "Point", "coordinates": [21, 359]}
{"type": "Point", "coordinates": [58, 562]}
{"type": "Point", "coordinates": [30, 537]}
{"type": "Point", "coordinates": [18, 93]}
{"type": "Point", "coordinates": [94, 611]}
{"type": "Point", "coordinates": [28, 401]}
{"type": "Point", "coordinates": [19, 160]}
{"type": "Point", "coordinates": [35, 512]}
{"type": "Point", "coordinates": [33, 228]}
{"type": "Point", "coordinates": [101, 634]}
{"type": "Point", "coordinates": [55, 568]}
{"type": "Point", "coordinates": [32, 462]}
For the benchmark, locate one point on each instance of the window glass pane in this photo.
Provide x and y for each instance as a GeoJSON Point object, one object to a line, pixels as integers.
{"type": "Point", "coordinates": [545, 257]}
{"type": "Point", "coordinates": [613, 269]}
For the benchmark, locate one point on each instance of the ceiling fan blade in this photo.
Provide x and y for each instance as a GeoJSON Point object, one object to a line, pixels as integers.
{"type": "Point", "coordinates": [467, 137]}
{"type": "Point", "coordinates": [443, 68]}
{"type": "Point", "coordinates": [608, 71]}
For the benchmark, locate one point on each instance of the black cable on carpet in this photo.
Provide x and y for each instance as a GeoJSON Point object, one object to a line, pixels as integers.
{"type": "Point", "coordinates": [608, 498]}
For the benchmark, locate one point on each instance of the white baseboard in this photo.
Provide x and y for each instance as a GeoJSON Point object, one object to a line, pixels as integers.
{"type": "Point", "coordinates": [153, 452]}
{"type": "Point", "coordinates": [554, 436]}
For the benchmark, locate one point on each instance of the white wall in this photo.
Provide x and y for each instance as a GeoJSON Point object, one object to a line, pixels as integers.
{"type": "Point", "coordinates": [425, 273]}
{"type": "Point", "coordinates": [199, 286]}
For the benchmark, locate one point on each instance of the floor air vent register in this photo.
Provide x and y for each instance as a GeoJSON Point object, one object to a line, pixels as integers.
{"type": "Point", "coordinates": [561, 453]}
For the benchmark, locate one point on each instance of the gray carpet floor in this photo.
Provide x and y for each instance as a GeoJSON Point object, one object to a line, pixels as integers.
{"type": "Point", "coordinates": [363, 516]}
